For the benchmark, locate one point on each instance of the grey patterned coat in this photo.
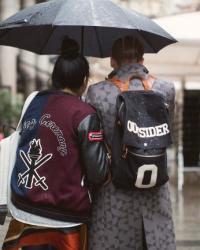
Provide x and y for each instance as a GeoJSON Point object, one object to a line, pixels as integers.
{"type": "Point", "coordinates": [121, 219]}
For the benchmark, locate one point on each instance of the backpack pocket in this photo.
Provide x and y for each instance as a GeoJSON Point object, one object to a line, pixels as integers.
{"type": "Point", "coordinates": [149, 170]}
{"type": "Point", "coordinates": [140, 170]}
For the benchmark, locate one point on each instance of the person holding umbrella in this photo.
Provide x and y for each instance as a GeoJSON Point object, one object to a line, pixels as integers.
{"type": "Point", "coordinates": [61, 158]}
{"type": "Point", "coordinates": [129, 219]}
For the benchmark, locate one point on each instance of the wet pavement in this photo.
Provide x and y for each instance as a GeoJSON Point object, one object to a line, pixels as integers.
{"type": "Point", "coordinates": [186, 209]}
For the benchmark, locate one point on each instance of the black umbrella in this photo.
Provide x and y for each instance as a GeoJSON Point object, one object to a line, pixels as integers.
{"type": "Point", "coordinates": [95, 24]}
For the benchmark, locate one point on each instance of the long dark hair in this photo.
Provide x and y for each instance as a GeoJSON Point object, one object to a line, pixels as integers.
{"type": "Point", "coordinates": [71, 69]}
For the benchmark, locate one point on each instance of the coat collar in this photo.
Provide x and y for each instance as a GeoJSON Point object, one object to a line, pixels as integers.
{"type": "Point", "coordinates": [126, 70]}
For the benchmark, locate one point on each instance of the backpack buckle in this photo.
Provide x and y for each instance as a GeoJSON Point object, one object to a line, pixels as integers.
{"type": "Point", "coordinates": [125, 152]}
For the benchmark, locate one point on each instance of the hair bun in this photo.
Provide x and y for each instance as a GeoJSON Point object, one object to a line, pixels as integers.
{"type": "Point", "coordinates": [69, 48]}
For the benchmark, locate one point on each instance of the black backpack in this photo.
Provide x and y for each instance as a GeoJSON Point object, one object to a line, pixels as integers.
{"type": "Point", "coordinates": [141, 136]}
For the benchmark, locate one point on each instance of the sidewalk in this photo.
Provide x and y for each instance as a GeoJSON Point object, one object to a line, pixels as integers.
{"type": "Point", "coordinates": [186, 208]}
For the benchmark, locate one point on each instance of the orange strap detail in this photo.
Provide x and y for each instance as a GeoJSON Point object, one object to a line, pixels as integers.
{"type": "Point", "coordinates": [148, 83]}
{"type": "Point", "coordinates": [124, 86]}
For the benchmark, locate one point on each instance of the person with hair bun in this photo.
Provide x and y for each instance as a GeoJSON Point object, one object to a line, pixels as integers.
{"type": "Point", "coordinates": [71, 71]}
{"type": "Point", "coordinates": [129, 219]}
{"type": "Point", "coordinates": [60, 160]}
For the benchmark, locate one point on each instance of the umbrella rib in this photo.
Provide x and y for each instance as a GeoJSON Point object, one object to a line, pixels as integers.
{"type": "Point", "coordinates": [5, 32]}
{"type": "Point", "coordinates": [137, 30]}
{"type": "Point", "coordinates": [146, 40]}
{"type": "Point", "coordinates": [46, 41]}
{"type": "Point", "coordinates": [98, 40]}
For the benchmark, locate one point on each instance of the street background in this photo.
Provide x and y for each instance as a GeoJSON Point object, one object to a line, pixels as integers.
{"type": "Point", "coordinates": [21, 72]}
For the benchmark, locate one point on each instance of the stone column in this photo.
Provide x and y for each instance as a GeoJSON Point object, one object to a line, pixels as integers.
{"type": "Point", "coordinates": [180, 136]}
{"type": "Point", "coordinates": [8, 55]}
{"type": "Point", "coordinates": [43, 71]}
{"type": "Point", "coordinates": [27, 61]}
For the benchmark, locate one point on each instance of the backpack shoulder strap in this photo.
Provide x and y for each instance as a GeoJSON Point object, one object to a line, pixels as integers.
{"type": "Point", "coordinates": [124, 85]}
{"type": "Point", "coordinates": [121, 85]}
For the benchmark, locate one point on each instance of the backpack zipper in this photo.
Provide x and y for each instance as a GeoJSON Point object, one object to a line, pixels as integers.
{"type": "Point", "coordinates": [148, 156]}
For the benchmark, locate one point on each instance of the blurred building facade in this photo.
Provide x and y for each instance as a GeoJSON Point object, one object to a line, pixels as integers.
{"type": "Point", "coordinates": [157, 8]}
{"type": "Point", "coordinates": [21, 71]}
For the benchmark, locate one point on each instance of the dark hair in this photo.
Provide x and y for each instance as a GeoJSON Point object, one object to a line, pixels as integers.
{"type": "Point", "coordinates": [71, 68]}
{"type": "Point", "coordinates": [127, 49]}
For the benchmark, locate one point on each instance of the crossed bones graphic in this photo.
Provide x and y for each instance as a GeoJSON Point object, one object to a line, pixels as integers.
{"type": "Point", "coordinates": [33, 161]}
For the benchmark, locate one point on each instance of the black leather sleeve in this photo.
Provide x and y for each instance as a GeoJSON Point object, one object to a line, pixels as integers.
{"type": "Point", "coordinates": [93, 152]}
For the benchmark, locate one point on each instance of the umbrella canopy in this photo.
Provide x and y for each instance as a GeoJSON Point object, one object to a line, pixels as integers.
{"type": "Point", "coordinates": [94, 24]}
